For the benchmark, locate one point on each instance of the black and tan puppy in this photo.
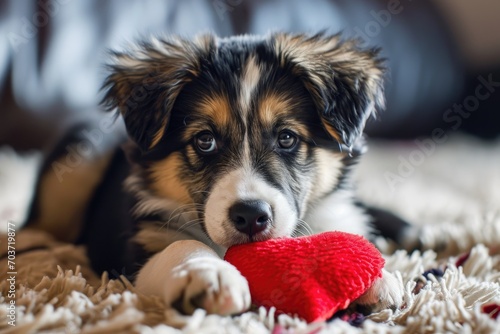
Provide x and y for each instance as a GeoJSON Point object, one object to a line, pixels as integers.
{"type": "Point", "coordinates": [233, 140]}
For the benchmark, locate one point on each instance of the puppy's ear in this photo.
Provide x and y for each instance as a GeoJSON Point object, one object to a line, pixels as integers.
{"type": "Point", "coordinates": [346, 82]}
{"type": "Point", "coordinates": [144, 83]}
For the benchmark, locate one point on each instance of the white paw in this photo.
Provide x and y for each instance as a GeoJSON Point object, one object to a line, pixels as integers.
{"type": "Point", "coordinates": [211, 284]}
{"type": "Point", "coordinates": [386, 292]}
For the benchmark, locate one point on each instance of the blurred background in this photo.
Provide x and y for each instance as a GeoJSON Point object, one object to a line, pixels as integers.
{"type": "Point", "coordinates": [443, 56]}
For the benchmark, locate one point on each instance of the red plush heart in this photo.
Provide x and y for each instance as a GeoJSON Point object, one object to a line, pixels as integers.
{"type": "Point", "coordinates": [313, 276]}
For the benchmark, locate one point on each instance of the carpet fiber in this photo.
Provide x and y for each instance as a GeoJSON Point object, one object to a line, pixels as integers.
{"type": "Point", "coordinates": [452, 191]}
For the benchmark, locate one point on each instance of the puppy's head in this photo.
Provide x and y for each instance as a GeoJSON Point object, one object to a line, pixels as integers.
{"type": "Point", "coordinates": [248, 131]}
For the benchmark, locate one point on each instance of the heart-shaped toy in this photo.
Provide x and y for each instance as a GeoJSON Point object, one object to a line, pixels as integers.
{"type": "Point", "coordinates": [312, 276]}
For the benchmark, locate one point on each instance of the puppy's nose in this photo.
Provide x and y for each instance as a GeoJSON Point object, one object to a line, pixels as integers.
{"type": "Point", "coordinates": [251, 217]}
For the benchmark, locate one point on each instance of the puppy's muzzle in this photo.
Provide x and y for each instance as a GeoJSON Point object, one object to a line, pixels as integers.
{"type": "Point", "coordinates": [251, 217]}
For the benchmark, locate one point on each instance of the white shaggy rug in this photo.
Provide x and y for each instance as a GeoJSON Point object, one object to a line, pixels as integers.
{"type": "Point", "coordinates": [451, 191]}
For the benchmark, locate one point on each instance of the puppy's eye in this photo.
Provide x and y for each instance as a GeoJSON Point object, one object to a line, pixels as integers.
{"type": "Point", "coordinates": [287, 140]}
{"type": "Point", "coordinates": [205, 143]}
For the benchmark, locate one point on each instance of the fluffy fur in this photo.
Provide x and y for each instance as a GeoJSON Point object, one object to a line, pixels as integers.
{"type": "Point", "coordinates": [245, 91]}
{"type": "Point", "coordinates": [271, 124]}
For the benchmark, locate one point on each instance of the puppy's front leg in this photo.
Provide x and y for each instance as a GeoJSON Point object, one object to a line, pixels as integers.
{"type": "Point", "coordinates": [386, 292]}
{"type": "Point", "coordinates": [190, 272]}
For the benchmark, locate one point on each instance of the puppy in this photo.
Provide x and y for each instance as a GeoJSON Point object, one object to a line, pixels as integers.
{"type": "Point", "coordinates": [232, 140]}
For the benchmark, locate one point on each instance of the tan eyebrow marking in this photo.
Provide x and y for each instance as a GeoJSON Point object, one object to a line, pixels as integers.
{"type": "Point", "coordinates": [274, 107]}
{"type": "Point", "coordinates": [216, 108]}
